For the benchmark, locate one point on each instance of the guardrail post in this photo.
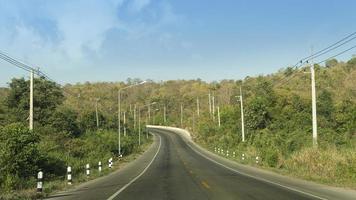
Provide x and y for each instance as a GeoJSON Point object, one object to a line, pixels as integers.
{"type": "Point", "coordinates": [110, 163]}
{"type": "Point", "coordinates": [69, 175]}
{"type": "Point", "coordinates": [39, 181]}
{"type": "Point", "coordinates": [99, 168]}
{"type": "Point", "coordinates": [87, 170]}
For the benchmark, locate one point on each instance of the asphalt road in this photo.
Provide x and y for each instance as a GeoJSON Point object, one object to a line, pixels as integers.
{"type": "Point", "coordinates": [172, 169]}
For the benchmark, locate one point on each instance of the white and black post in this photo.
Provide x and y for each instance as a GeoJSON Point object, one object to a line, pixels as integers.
{"type": "Point", "coordinates": [99, 166]}
{"type": "Point", "coordinates": [87, 167]}
{"type": "Point", "coordinates": [110, 163]}
{"type": "Point", "coordinates": [69, 175]}
{"type": "Point", "coordinates": [39, 181]}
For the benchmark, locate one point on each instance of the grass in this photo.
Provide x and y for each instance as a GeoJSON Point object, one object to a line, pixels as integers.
{"type": "Point", "coordinates": [327, 165]}
{"type": "Point", "coordinates": [60, 184]}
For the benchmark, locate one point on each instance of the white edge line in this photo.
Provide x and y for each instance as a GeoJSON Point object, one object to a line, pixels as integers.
{"type": "Point", "coordinates": [254, 177]}
{"type": "Point", "coordinates": [138, 176]}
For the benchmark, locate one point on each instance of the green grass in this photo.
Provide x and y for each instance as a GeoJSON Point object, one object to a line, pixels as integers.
{"type": "Point", "coordinates": [327, 165]}
{"type": "Point", "coordinates": [56, 184]}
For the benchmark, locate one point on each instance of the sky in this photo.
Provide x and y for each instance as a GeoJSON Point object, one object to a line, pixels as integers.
{"type": "Point", "coordinates": [111, 40]}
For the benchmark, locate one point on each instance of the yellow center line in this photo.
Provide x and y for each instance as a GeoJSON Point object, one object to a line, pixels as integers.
{"type": "Point", "coordinates": [205, 184]}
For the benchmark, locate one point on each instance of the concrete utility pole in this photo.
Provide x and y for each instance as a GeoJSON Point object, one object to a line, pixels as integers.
{"type": "Point", "coordinates": [146, 125]}
{"type": "Point", "coordinates": [181, 115]}
{"type": "Point", "coordinates": [242, 116]}
{"type": "Point", "coordinates": [198, 111]}
{"type": "Point", "coordinates": [219, 116]}
{"type": "Point", "coordinates": [96, 112]}
{"type": "Point", "coordinates": [119, 112]}
{"type": "Point", "coordinates": [135, 117]}
{"type": "Point", "coordinates": [213, 107]}
{"type": "Point", "coordinates": [125, 123]}
{"type": "Point", "coordinates": [31, 101]}
{"type": "Point", "coordinates": [315, 131]}
{"type": "Point", "coordinates": [193, 121]}
{"type": "Point", "coordinates": [149, 113]}
{"type": "Point", "coordinates": [139, 127]}
{"type": "Point", "coordinates": [119, 119]}
{"type": "Point", "coordinates": [164, 114]}
{"type": "Point", "coordinates": [209, 103]}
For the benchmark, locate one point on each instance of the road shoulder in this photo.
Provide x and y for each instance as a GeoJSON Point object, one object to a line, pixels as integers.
{"type": "Point", "coordinates": [306, 187]}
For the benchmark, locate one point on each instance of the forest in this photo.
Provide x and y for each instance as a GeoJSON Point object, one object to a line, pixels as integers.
{"type": "Point", "coordinates": [277, 122]}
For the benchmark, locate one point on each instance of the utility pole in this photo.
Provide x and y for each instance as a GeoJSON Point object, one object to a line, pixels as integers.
{"type": "Point", "coordinates": [139, 126]}
{"type": "Point", "coordinates": [315, 131]}
{"type": "Point", "coordinates": [213, 107]}
{"type": "Point", "coordinates": [125, 123]}
{"type": "Point", "coordinates": [242, 116]}
{"type": "Point", "coordinates": [96, 112]}
{"type": "Point", "coordinates": [149, 113]}
{"type": "Point", "coordinates": [219, 116]}
{"type": "Point", "coordinates": [209, 103]}
{"type": "Point", "coordinates": [193, 121]}
{"type": "Point", "coordinates": [119, 118]}
{"type": "Point", "coordinates": [164, 114]}
{"type": "Point", "coordinates": [198, 111]}
{"type": "Point", "coordinates": [135, 117]}
{"type": "Point", "coordinates": [119, 112]}
{"type": "Point", "coordinates": [181, 115]}
{"type": "Point", "coordinates": [31, 101]}
{"type": "Point", "coordinates": [146, 125]}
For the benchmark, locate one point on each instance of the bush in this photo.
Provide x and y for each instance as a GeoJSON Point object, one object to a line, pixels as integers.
{"type": "Point", "coordinates": [19, 155]}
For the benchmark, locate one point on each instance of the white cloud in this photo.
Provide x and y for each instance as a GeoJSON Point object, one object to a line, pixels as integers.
{"type": "Point", "coordinates": [138, 5]}
{"type": "Point", "coordinates": [63, 35]}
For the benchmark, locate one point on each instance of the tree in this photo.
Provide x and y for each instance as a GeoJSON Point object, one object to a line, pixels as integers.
{"type": "Point", "coordinates": [331, 63]}
{"type": "Point", "coordinates": [19, 155]}
{"type": "Point", "coordinates": [257, 114]}
{"type": "Point", "coordinates": [65, 120]}
{"type": "Point", "coordinates": [47, 96]}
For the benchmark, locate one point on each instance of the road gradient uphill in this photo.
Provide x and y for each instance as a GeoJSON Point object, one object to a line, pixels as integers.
{"type": "Point", "coordinates": [181, 173]}
{"type": "Point", "coordinates": [106, 186]}
{"type": "Point", "coordinates": [176, 168]}
{"type": "Point", "coordinates": [258, 180]}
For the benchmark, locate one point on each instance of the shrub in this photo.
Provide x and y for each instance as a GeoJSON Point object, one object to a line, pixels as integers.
{"type": "Point", "coordinates": [19, 155]}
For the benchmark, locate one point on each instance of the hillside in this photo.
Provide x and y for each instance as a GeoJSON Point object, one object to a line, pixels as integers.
{"type": "Point", "coordinates": [277, 116]}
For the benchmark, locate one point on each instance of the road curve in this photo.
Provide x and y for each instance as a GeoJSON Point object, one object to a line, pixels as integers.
{"type": "Point", "coordinates": [172, 169]}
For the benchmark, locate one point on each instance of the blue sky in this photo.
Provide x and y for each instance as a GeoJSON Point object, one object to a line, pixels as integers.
{"type": "Point", "coordinates": [110, 40]}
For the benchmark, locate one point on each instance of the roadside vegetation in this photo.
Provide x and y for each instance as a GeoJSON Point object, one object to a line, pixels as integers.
{"type": "Point", "coordinates": [61, 137]}
{"type": "Point", "coordinates": [278, 124]}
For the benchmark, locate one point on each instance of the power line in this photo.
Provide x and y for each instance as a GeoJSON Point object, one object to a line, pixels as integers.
{"type": "Point", "coordinates": [338, 54]}
{"type": "Point", "coordinates": [4, 56]}
{"type": "Point", "coordinates": [331, 46]}
{"type": "Point", "coordinates": [321, 52]}
{"type": "Point", "coordinates": [331, 49]}
{"type": "Point", "coordinates": [286, 79]}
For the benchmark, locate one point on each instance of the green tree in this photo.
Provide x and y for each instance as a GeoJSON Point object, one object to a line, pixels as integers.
{"type": "Point", "coordinates": [19, 155]}
{"type": "Point", "coordinates": [65, 120]}
{"type": "Point", "coordinates": [47, 96]}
